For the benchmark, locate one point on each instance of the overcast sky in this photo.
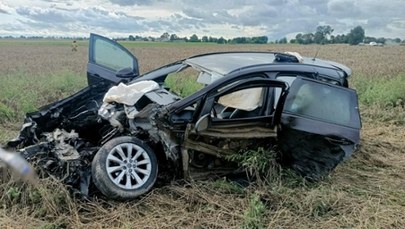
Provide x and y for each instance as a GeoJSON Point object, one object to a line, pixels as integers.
{"type": "Point", "coordinates": [228, 18]}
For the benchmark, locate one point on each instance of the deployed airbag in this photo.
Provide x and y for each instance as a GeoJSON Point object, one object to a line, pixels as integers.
{"type": "Point", "coordinates": [247, 99]}
{"type": "Point", "coordinates": [129, 94]}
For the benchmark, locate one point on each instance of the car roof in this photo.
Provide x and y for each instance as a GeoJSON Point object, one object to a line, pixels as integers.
{"type": "Point", "coordinates": [225, 62]}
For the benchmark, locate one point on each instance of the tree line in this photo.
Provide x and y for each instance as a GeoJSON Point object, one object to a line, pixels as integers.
{"type": "Point", "coordinates": [208, 39]}
{"type": "Point", "coordinates": [323, 35]}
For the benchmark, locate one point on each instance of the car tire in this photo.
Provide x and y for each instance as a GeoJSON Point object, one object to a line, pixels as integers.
{"type": "Point", "coordinates": [124, 168]}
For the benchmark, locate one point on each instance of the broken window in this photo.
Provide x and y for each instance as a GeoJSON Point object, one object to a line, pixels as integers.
{"type": "Point", "coordinates": [183, 82]}
{"type": "Point", "coordinates": [243, 103]}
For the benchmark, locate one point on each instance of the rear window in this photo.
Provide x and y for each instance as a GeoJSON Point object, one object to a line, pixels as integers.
{"type": "Point", "coordinates": [325, 102]}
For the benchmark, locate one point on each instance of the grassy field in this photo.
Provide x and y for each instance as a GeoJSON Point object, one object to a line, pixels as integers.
{"type": "Point", "coordinates": [367, 191]}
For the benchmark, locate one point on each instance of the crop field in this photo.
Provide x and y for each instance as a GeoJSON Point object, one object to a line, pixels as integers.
{"type": "Point", "coordinates": [367, 191]}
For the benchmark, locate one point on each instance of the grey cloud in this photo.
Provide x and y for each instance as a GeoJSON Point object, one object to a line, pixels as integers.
{"type": "Point", "coordinates": [47, 15]}
{"type": "Point", "coordinates": [3, 11]}
{"type": "Point", "coordinates": [399, 24]}
{"type": "Point", "coordinates": [212, 4]}
{"type": "Point", "coordinates": [289, 15]}
{"type": "Point", "coordinates": [12, 27]}
{"type": "Point", "coordinates": [208, 16]}
{"type": "Point", "coordinates": [61, 19]}
{"type": "Point", "coordinates": [343, 8]}
{"type": "Point", "coordinates": [195, 13]}
{"type": "Point", "coordinates": [275, 18]}
{"type": "Point", "coordinates": [378, 21]}
{"type": "Point", "coordinates": [132, 2]}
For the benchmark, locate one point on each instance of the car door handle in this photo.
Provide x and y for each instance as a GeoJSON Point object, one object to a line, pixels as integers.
{"type": "Point", "coordinates": [338, 140]}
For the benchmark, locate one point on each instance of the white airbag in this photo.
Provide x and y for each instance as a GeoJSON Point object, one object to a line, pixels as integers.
{"type": "Point", "coordinates": [129, 94]}
{"type": "Point", "coordinates": [247, 99]}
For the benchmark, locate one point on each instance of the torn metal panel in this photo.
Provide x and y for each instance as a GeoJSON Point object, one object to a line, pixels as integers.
{"type": "Point", "coordinates": [65, 156]}
{"type": "Point", "coordinates": [77, 112]}
{"type": "Point", "coordinates": [63, 151]}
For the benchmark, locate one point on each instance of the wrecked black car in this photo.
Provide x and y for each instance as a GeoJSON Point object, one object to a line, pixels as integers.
{"type": "Point", "coordinates": [121, 129]}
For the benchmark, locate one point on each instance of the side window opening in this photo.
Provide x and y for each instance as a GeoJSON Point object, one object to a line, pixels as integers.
{"type": "Point", "coordinates": [108, 55]}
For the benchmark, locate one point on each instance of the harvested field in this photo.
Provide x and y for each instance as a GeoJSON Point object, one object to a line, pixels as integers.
{"type": "Point", "coordinates": [367, 191]}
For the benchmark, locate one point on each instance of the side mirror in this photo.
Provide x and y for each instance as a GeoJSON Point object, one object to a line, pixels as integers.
{"type": "Point", "coordinates": [202, 123]}
{"type": "Point", "coordinates": [125, 73]}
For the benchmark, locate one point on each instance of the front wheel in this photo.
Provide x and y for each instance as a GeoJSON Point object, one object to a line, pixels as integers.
{"type": "Point", "coordinates": [124, 168]}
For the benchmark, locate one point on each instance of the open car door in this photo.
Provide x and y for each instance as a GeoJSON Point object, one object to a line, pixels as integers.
{"type": "Point", "coordinates": [109, 61]}
{"type": "Point", "coordinates": [319, 127]}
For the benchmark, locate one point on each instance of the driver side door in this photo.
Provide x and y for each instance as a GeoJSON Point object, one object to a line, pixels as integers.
{"type": "Point", "coordinates": [109, 61]}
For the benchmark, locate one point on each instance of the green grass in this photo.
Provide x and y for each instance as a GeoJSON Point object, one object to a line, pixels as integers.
{"type": "Point", "coordinates": [183, 83]}
{"type": "Point", "coordinates": [254, 214]}
{"type": "Point", "coordinates": [384, 91]}
{"type": "Point", "coordinates": [20, 94]}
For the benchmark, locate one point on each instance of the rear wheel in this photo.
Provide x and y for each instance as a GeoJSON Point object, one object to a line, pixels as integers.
{"type": "Point", "coordinates": [124, 168]}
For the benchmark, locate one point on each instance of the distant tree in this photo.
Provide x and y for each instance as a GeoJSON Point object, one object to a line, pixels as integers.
{"type": "Point", "coordinates": [332, 39]}
{"type": "Point", "coordinates": [239, 40]}
{"type": "Point", "coordinates": [204, 39]}
{"type": "Point", "coordinates": [293, 41]}
{"type": "Point", "coordinates": [221, 40]}
{"type": "Point", "coordinates": [397, 40]}
{"type": "Point", "coordinates": [341, 39]}
{"type": "Point", "coordinates": [322, 33]}
{"type": "Point", "coordinates": [367, 40]}
{"type": "Point", "coordinates": [381, 40]}
{"type": "Point", "coordinates": [356, 35]}
{"type": "Point", "coordinates": [131, 38]}
{"type": "Point", "coordinates": [194, 38]}
{"type": "Point", "coordinates": [165, 36]}
{"type": "Point", "coordinates": [299, 39]}
{"type": "Point", "coordinates": [173, 37]}
{"type": "Point", "coordinates": [261, 40]}
{"type": "Point", "coordinates": [308, 38]}
{"type": "Point", "coordinates": [283, 40]}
